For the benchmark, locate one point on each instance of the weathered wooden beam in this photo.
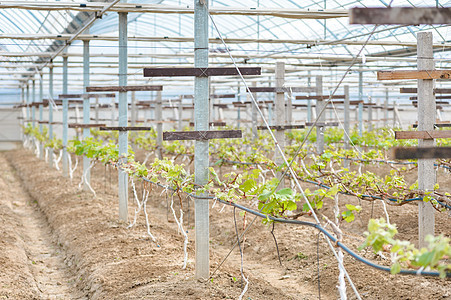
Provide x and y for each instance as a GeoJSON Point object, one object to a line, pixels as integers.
{"type": "Point", "coordinates": [413, 74]}
{"type": "Point", "coordinates": [79, 125]}
{"type": "Point", "coordinates": [424, 152]}
{"type": "Point", "coordinates": [400, 15]}
{"type": "Point", "coordinates": [422, 135]}
{"type": "Point", "coordinates": [415, 103]}
{"type": "Point", "coordinates": [259, 89]}
{"type": "Point", "coordinates": [201, 135]}
{"type": "Point", "coordinates": [128, 88]}
{"type": "Point", "coordinates": [281, 127]}
{"type": "Point", "coordinates": [437, 125]}
{"type": "Point", "coordinates": [199, 72]}
{"type": "Point", "coordinates": [320, 97]}
{"type": "Point", "coordinates": [216, 123]}
{"type": "Point", "coordinates": [76, 96]}
{"type": "Point", "coordinates": [322, 124]}
{"type": "Point", "coordinates": [446, 97]}
{"type": "Point", "coordinates": [121, 128]}
{"type": "Point", "coordinates": [223, 96]}
{"type": "Point", "coordinates": [414, 91]}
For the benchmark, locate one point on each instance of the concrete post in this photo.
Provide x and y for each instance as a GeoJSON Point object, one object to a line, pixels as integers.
{"type": "Point", "coordinates": [86, 117]}
{"type": "Point", "coordinates": [280, 114]}
{"type": "Point", "coordinates": [159, 119]}
{"type": "Point", "coordinates": [65, 159]}
{"type": "Point", "coordinates": [254, 115]}
{"type": "Point", "coordinates": [426, 120]}
{"type": "Point", "coordinates": [133, 116]}
{"type": "Point", "coordinates": [201, 161]}
{"type": "Point", "coordinates": [360, 104]}
{"type": "Point", "coordinates": [41, 114]}
{"type": "Point", "coordinates": [123, 117]}
{"type": "Point", "coordinates": [386, 108]}
{"type": "Point", "coordinates": [50, 113]}
{"type": "Point", "coordinates": [180, 118]}
{"type": "Point", "coordinates": [321, 119]}
{"type": "Point", "coordinates": [370, 114]}
{"type": "Point", "coordinates": [33, 108]}
{"type": "Point", "coordinates": [347, 122]}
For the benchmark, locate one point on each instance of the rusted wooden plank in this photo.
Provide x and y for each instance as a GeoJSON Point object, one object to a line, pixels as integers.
{"type": "Point", "coordinates": [422, 135]}
{"type": "Point", "coordinates": [446, 97]}
{"type": "Point", "coordinates": [78, 96]}
{"type": "Point", "coordinates": [413, 74]}
{"type": "Point", "coordinates": [260, 89]}
{"type": "Point", "coordinates": [322, 124]}
{"type": "Point", "coordinates": [319, 97]}
{"type": "Point", "coordinates": [400, 15]}
{"type": "Point", "coordinates": [282, 127]}
{"type": "Point", "coordinates": [79, 125]}
{"type": "Point", "coordinates": [223, 96]}
{"type": "Point", "coordinates": [415, 103]}
{"type": "Point", "coordinates": [128, 88]}
{"type": "Point", "coordinates": [414, 91]}
{"type": "Point", "coordinates": [426, 152]}
{"type": "Point", "coordinates": [212, 123]}
{"type": "Point", "coordinates": [201, 135]}
{"type": "Point", "coordinates": [134, 128]}
{"type": "Point", "coordinates": [199, 72]}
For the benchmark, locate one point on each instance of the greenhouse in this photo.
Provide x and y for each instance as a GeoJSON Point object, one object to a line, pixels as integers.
{"type": "Point", "coordinates": [207, 149]}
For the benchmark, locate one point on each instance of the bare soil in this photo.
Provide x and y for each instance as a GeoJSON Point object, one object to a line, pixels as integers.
{"type": "Point", "coordinates": [59, 242]}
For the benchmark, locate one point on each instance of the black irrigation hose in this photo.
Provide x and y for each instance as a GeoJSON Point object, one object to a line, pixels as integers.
{"type": "Point", "coordinates": [333, 239]}
{"type": "Point", "coordinates": [310, 224]}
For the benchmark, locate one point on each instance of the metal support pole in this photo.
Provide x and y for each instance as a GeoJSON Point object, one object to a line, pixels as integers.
{"type": "Point", "coordinates": [360, 104]}
{"type": "Point", "coordinates": [238, 116]}
{"type": "Point", "coordinates": [133, 116]}
{"type": "Point", "coordinates": [347, 121]}
{"type": "Point", "coordinates": [65, 159]}
{"type": "Point", "coordinates": [123, 117]}
{"type": "Point", "coordinates": [309, 102]}
{"type": "Point", "coordinates": [41, 114]}
{"type": "Point", "coordinates": [426, 120]}
{"type": "Point", "coordinates": [322, 119]}
{"type": "Point", "coordinates": [201, 161]}
{"type": "Point", "coordinates": [86, 117]}
{"type": "Point", "coordinates": [33, 108]}
{"type": "Point", "coordinates": [386, 108]}
{"type": "Point", "coordinates": [370, 114]}
{"type": "Point", "coordinates": [180, 118]}
{"type": "Point", "coordinates": [254, 116]}
{"type": "Point", "coordinates": [50, 114]}
{"type": "Point", "coordinates": [280, 114]}
{"type": "Point", "coordinates": [159, 119]}
{"type": "Point", "coordinates": [27, 110]}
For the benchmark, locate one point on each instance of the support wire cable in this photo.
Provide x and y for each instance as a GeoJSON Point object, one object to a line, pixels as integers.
{"type": "Point", "coordinates": [285, 159]}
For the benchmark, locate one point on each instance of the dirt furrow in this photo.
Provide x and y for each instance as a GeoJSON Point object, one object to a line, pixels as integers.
{"type": "Point", "coordinates": [45, 258]}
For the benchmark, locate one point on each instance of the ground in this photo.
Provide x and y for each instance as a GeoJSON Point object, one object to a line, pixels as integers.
{"type": "Point", "coordinates": [59, 242]}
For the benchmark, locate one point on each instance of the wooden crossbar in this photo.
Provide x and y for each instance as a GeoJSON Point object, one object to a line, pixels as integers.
{"type": "Point", "coordinates": [319, 97]}
{"type": "Point", "coordinates": [201, 135]}
{"type": "Point", "coordinates": [422, 135]}
{"type": "Point", "coordinates": [200, 72]}
{"type": "Point", "coordinates": [222, 96]}
{"type": "Point", "coordinates": [216, 123]}
{"type": "Point", "coordinates": [413, 74]}
{"type": "Point", "coordinates": [447, 97]}
{"type": "Point", "coordinates": [322, 124]}
{"type": "Point", "coordinates": [130, 128]}
{"type": "Point", "coordinates": [79, 125]}
{"type": "Point", "coordinates": [426, 152]}
{"type": "Point", "coordinates": [76, 96]}
{"type": "Point", "coordinates": [281, 127]}
{"type": "Point", "coordinates": [415, 91]}
{"type": "Point", "coordinates": [281, 89]}
{"type": "Point", "coordinates": [400, 15]}
{"type": "Point", "coordinates": [128, 88]}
